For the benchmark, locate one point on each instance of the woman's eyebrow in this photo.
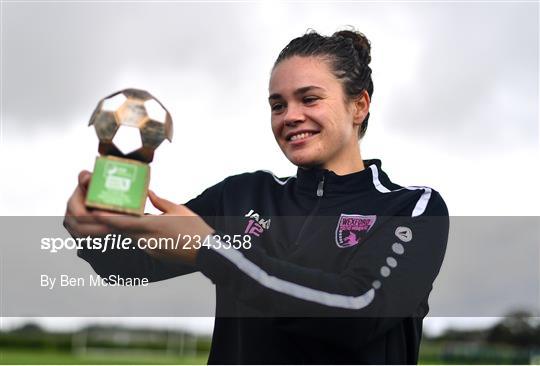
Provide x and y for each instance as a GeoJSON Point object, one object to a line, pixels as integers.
{"type": "Point", "coordinates": [298, 91]}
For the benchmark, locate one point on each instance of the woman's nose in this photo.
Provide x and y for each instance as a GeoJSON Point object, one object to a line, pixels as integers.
{"type": "Point", "coordinates": [293, 115]}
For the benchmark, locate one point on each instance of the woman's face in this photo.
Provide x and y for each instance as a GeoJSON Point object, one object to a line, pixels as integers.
{"type": "Point", "coordinates": [311, 120]}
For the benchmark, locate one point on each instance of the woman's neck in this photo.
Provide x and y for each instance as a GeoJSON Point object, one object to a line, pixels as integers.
{"type": "Point", "coordinates": [346, 161]}
{"type": "Point", "coordinates": [346, 166]}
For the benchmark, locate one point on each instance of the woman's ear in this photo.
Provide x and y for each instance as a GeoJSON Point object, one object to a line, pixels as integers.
{"type": "Point", "coordinates": [361, 107]}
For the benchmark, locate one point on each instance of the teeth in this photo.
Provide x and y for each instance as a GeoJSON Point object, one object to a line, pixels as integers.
{"type": "Point", "coordinates": [301, 136]}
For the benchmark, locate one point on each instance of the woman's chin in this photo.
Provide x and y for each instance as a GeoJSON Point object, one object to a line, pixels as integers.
{"type": "Point", "coordinates": [304, 161]}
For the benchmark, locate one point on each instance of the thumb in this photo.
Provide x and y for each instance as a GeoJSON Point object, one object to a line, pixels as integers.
{"type": "Point", "coordinates": [161, 203]}
{"type": "Point", "coordinates": [84, 179]}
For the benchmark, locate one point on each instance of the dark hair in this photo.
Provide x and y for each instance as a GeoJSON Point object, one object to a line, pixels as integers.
{"type": "Point", "coordinates": [349, 53]}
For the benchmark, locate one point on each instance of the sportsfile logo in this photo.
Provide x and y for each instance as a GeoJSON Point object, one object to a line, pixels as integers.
{"type": "Point", "coordinates": [256, 224]}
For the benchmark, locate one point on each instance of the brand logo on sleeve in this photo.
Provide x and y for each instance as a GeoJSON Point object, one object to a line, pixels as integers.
{"type": "Point", "coordinates": [256, 224]}
{"type": "Point", "coordinates": [351, 229]}
{"type": "Point", "coordinates": [404, 233]}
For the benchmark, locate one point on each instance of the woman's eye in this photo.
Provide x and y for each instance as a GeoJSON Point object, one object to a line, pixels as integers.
{"type": "Point", "coordinates": [276, 107]}
{"type": "Point", "coordinates": [308, 100]}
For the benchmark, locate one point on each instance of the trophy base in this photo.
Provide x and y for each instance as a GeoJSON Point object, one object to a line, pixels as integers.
{"type": "Point", "coordinates": [119, 185]}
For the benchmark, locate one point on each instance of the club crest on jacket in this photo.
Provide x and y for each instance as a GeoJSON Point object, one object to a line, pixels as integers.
{"type": "Point", "coordinates": [351, 229]}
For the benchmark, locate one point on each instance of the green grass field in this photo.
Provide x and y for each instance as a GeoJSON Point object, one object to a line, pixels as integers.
{"type": "Point", "coordinates": [30, 357]}
{"type": "Point", "coordinates": [430, 353]}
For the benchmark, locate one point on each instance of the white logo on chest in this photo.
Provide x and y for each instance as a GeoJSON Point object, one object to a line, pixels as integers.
{"type": "Point", "coordinates": [265, 224]}
{"type": "Point", "coordinates": [256, 223]}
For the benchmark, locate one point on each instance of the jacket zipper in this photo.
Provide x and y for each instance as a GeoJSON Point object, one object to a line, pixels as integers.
{"type": "Point", "coordinates": [320, 194]}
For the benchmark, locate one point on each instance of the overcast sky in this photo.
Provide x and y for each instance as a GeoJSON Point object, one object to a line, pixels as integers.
{"type": "Point", "coordinates": [455, 105]}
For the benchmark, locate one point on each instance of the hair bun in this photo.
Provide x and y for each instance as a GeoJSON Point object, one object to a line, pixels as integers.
{"type": "Point", "coordinates": [360, 43]}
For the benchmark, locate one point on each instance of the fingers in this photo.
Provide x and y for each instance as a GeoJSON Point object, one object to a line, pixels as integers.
{"type": "Point", "coordinates": [80, 229]}
{"type": "Point", "coordinates": [183, 210]}
{"type": "Point", "coordinates": [84, 179]}
{"type": "Point", "coordinates": [161, 203]}
{"type": "Point", "coordinates": [78, 220]}
{"type": "Point", "coordinates": [122, 222]}
{"type": "Point", "coordinates": [75, 205]}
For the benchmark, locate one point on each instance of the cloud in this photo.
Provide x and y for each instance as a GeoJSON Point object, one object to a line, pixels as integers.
{"type": "Point", "coordinates": [476, 78]}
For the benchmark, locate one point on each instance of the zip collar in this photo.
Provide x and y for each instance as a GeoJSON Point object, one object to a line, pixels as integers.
{"type": "Point", "coordinates": [323, 182]}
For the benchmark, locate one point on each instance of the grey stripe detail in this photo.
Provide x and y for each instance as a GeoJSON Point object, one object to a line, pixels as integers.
{"type": "Point", "coordinates": [282, 182]}
{"type": "Point", "coordinates": [423, 201]}
{"type": "Point", "coordinates": [291, 288]}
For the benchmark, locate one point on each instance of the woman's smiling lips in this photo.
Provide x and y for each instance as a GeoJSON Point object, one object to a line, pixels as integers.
{"type": "Point", "coordinates": [299, 137]}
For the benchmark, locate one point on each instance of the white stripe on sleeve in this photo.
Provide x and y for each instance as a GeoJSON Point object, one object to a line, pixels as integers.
{"type": "Point", "coordinates": [291, 288]}
{"type": "Point", "coordinates": [422, 202]}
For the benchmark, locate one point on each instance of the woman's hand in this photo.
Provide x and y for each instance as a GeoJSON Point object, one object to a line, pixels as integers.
{"type": "Point", "coordinates": [177, 224]}
{"type": "Point", "coordinates": [78, 220]}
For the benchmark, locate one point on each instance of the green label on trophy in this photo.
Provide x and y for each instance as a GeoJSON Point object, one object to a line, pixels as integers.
{"type": "Point", "coordinates": [119, 185]}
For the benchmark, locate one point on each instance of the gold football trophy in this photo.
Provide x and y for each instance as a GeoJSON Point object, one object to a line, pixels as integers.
{"type": "Point", "coordinates": [130, 125]}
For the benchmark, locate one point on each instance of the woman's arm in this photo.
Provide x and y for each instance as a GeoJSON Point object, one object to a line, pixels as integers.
{"type": "Point", "coordinates": [133, 263]}
{"type": "Point", "coordinates": [386, 280]}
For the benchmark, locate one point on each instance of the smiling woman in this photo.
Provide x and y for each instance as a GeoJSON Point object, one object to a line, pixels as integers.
{"type": "Point", "coordinates": [320, 91]}
{"type": "Point", "coordinates": [315, 125]}
{"type": "Point", "coordinates": [340, 261]}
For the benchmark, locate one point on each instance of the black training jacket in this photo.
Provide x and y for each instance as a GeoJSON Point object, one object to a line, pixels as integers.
{"type": "Point", "coordinates": [338, 270]}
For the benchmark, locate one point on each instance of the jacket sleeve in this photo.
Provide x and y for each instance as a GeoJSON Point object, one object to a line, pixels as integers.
{"type": "Point", "coordinates": [135, 263]}
{"type": "Point", "coordinates": [388, 278]}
